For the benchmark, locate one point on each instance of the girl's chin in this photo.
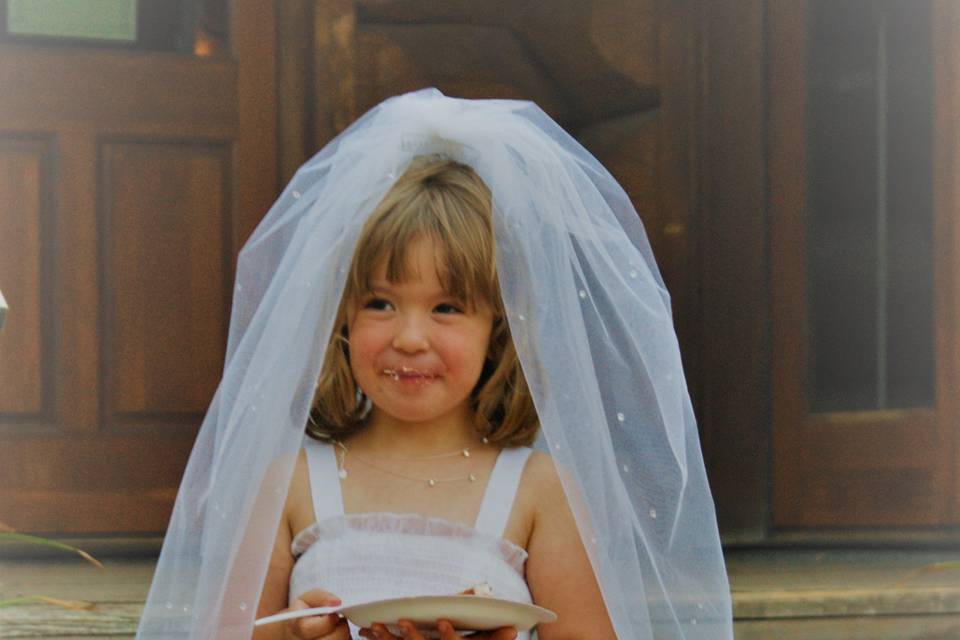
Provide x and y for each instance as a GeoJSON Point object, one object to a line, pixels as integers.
{"type": "Point", "coordinates": [412, 411]}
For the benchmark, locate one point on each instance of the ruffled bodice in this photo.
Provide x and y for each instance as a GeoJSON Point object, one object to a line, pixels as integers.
{"type": "Point", "coordinates": [371, 556]}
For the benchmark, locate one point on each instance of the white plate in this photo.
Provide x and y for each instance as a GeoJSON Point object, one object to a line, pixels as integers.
{"type": "Point", "coordinates": [465, 613]}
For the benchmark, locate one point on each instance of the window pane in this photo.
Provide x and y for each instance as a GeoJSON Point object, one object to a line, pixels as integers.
{"type": "Point", "coordinates": [200, 27]}
{"type": "Point", "coordinates": [869, 205]}
{"type": "Point", "coordinates": [95, 19]}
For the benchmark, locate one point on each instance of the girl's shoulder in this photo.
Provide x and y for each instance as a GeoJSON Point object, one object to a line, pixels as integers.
{"type": "Point", "coordinates": [539, 485]}
{"type": "Point", "coordinates": [540, 471]}
{"type": "Point", "coordinates": [542, 490]}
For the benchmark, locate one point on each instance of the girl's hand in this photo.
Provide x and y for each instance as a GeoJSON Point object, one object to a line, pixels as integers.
{"type": "Point", "coordinates": [379, 632]}
{"type": "Point", "coordinates": [330, 627]}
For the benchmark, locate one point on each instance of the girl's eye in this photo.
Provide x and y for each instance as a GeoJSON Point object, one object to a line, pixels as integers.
{"type": "Point", "coordinates": [448, 308]}
{"type": "Point", "coordinates": [378, 304]}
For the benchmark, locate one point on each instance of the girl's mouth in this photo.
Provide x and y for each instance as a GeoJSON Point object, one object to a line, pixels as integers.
{"type": "Point", "coordinates": [408, 375]}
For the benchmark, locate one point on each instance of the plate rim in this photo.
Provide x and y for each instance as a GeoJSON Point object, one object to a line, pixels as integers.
{"type": "Point", "coordinates": [542, 614]}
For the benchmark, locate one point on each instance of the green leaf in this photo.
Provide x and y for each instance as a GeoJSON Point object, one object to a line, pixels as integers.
{"type": "Point", "coordinates": [74, 605]}
{"type": "Point", "coordinates": [46, 542]}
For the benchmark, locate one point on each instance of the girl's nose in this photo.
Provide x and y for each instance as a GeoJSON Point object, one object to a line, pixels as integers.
{"type": "Point", "coordinates": [411, 336]}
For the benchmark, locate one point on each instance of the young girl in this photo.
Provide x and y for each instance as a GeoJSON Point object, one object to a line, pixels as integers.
{"type": "Point", "coordinates": [421, 407]}
{"type": "Point", "coordinates": [445, 284]}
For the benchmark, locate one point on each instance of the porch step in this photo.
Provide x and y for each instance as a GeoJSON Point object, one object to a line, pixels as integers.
{"type": "Point", "coordinates": [777, 595]}
{"type": "Point", "coordinates": [118, 592]}
{"type": "Point", "coordinates": [845, 594]}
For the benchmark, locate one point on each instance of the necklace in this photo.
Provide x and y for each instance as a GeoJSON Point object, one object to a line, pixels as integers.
{"type": "Point", "coordinates": [431, 481]}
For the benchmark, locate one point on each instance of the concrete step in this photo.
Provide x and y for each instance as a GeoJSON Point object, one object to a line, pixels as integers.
{"type": "Point", "coordinates": [777, 595]}
{"type": "Point", "coordinates": [118, 592]}
{"type": "Point", "coordinates": [845, 594]}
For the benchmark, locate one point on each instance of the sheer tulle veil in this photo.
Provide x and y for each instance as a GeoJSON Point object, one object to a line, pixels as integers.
{"type": "Point", "coordinates": [591, 321]}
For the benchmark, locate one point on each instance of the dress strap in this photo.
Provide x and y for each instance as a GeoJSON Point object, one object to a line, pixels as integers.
{"type": "Point", "coordinates": [324, 481]}
{"type": "Point", "coordinates": [501, 491]}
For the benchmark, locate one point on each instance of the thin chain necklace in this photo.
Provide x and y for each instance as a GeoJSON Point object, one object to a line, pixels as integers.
{"type": "Point", "coordinates": [430, 481]}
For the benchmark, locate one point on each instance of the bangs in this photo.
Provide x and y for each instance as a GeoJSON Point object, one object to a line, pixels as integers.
{"type": "Point", "coordinates": [451, 208]}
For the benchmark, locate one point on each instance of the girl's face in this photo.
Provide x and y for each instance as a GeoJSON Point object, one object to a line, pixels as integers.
{"type": "Point", "coordinates": [415, 351]}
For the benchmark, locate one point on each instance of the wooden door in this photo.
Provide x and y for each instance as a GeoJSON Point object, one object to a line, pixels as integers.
{"type": "Point", "coordinates": [128, 181]}
{"type": "Point", "coordinates": [864, 263]}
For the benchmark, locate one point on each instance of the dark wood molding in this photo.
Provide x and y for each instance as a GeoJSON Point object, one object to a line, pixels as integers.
{"type": "Point", "coordinates": [946, 194]}
{"type": "Point", "coordinates": [787, 180]}
{"type": "Point", "coordinates": [295, 93]}
{"type": "Point", "coordinates": [732, 247]}
{"type": "Point", "coordinates": [255, 161]}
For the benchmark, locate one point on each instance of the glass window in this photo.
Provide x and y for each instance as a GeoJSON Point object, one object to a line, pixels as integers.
{"type": "Point", "coordinates": [199, 27]}
{"type": "Point", "coordinates": [870, 205]}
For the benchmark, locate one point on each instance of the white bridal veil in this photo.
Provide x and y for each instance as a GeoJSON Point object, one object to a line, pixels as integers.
{"type": "Point", "coordinates": [591, 321]}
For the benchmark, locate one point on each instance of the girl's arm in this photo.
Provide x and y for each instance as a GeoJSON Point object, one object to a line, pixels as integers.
{"type": "Point", "coordinates": [558, 571]}
{"type": "Point", "coordinates": [276, 585]}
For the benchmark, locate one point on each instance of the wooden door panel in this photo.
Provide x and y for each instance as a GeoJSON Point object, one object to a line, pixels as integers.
{"type": "Point", "coordinates": [24, 166]}
{"type": "Point", "coordinates": [873, 468]}
{"type": "Point", "coordinates": [90, 484]}
{"type": "Point", "coordinates": [870, 498]}
{"type": "Point", "coordinates": [166, 245]}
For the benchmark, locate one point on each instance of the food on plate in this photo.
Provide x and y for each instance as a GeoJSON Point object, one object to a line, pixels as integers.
{"type": "Point", "coordinates": [482, 590]}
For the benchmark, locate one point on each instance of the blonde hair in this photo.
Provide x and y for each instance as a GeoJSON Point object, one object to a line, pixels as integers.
{"type": "Point", "coordinates": [447, 202]}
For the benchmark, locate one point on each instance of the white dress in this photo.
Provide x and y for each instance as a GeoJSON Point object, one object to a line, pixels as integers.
{"type": "Point", "coordinates": [371, 556]}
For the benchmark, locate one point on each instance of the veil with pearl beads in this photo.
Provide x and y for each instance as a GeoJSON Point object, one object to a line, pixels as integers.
{"type": "Point", "coordinates": [591, 321]}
